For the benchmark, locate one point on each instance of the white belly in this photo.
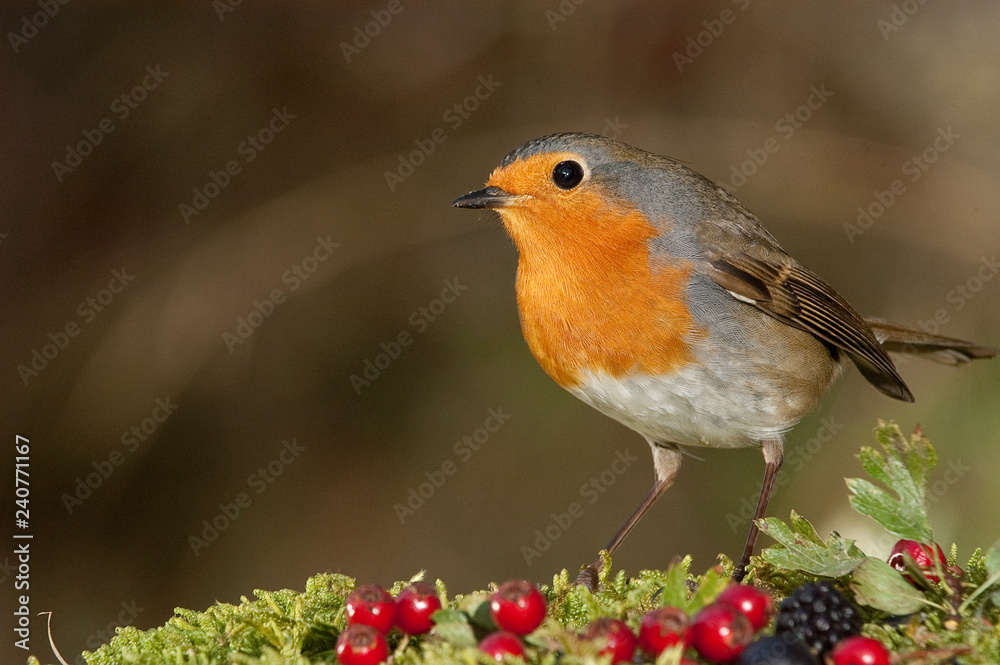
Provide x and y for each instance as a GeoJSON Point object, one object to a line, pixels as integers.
{"type": "Point", "coordinates": [698, 407]}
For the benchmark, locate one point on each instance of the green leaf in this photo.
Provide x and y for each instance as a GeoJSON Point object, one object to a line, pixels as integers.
{"type": "Point", "coordinates": [448, 615]}
{"type": "Point", "coordinates": [478, 611]}
{"type": "Point", "coordinates": [896, 517]}
{"type": "Point", "coordinates": [800, 548]}
{"type": "Point", "coordinates": [903, 468]}
{"type": "Point", "coordinates": [804, 528]}
{"type": "Point", "coordinates": [675, 589]}
{"type": "Point", "coordinates": [712, 584]}
{"type": "Point", "coordinates": [876, 584]}
{"type": "Point", "coordinates": [992, 559]}
{"type": "Point", "coordinates": [454, 630]}
{"type": "Point", "coordinates": [872, 463]}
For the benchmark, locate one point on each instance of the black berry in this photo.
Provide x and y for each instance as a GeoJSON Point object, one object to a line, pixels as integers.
{"type": "Point", "coordinates": [819, 615]}
{"type": "Point", "coordinates": [780, 649]}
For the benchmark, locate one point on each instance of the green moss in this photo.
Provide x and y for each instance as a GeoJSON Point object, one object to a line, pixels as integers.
{"type": "Point", "coordinates": [952, 620]}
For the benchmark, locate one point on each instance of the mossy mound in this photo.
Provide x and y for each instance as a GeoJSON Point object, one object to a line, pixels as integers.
{"type": "Point", "coordinates": [941, 617]}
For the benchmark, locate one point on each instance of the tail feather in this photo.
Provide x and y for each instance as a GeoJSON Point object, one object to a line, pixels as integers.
{"type": "Point", "coordinates": [946, 350]}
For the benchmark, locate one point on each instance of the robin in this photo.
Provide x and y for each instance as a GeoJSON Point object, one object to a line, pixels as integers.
{"type": "Point", "coordinates": [655, 297]}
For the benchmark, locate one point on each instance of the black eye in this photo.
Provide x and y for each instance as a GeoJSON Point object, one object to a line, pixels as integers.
{"type": "Point", "coordinates": [567, 175]}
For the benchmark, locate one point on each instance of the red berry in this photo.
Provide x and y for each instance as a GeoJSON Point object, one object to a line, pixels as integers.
{"type": "Point", "coordinates": [414, 607]}
{"type": "Point", "coordinates": [371, 605]}
{"type": "Point", "coordinates": [663, 628]}
{"type": "Point", "coordinates": [618, 638]}
{"type": "Point", "coordinates": [502, 644]}
{"type": "Point", "coordinates": [755, 604]}
{"type": "Point", "coordinates": [859, 651]}
{"type": "Point", "coordinates": [720, 632]}
{"type": "Point", "coordinates": [360, 644]}
{"type": "Point", "coordinates": [925, 556]}
{"type": "Point", "coordinates": [518, 607]}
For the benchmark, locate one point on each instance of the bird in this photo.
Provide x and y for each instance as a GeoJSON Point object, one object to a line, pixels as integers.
{"type": "Point", "coordinates": [653, 295]}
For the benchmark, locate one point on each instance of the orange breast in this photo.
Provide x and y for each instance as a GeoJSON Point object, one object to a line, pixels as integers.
{"type": "Point", "coordinates": [588, 295]}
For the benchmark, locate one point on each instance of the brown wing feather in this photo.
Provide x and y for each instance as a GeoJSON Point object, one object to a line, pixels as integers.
{"type": "Point", "coordinates": [798, 297]}
{"type": "Point", "coordinates": [947, 350]}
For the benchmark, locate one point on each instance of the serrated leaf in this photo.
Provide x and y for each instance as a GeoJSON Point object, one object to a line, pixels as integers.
{"type": "Point", "coordinates": [876, 584]}
{"type": "Point", "coordinates": [902, 467]}
{"type": "Point", "coordinates": [874, 465]}
{"type": "Point", "coordinates": [801, 549]}
{"type": "Point", "coordinates": [922, 457]}
{"type": "Point", "coordinates": [803, 528]}
{"type": "Point", "coordinates": [903, 520]}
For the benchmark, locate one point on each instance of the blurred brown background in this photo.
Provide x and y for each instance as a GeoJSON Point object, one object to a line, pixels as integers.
{"type": "Point", "coordinates": [710, 83]}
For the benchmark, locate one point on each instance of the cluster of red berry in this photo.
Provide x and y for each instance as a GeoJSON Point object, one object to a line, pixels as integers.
{"type": "Point", "coordinates": [721, 632]}
{"type": "Point", "coordinates": [517, 608]}
{"type": "Point", "coordinates": [372, 612]}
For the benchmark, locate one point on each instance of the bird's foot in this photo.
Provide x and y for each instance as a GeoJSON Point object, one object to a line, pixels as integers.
{"type": "Point", "coordinates": [590, 576]}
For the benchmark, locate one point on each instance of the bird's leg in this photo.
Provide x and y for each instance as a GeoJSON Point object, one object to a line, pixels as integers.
{"type": "Point", "coordinates": [774, 455]}
{"type": "Point", "coordinates": [666, 460]}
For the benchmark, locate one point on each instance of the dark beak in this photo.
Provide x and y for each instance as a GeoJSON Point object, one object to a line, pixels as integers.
{"type": "Point", "coordinates": [490, 197]}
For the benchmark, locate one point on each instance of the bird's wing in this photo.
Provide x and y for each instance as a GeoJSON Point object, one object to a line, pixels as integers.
{"type": "Point", "coordinates": [762, 275]}
{"type": "Point", "coordinates": [947, 350]}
